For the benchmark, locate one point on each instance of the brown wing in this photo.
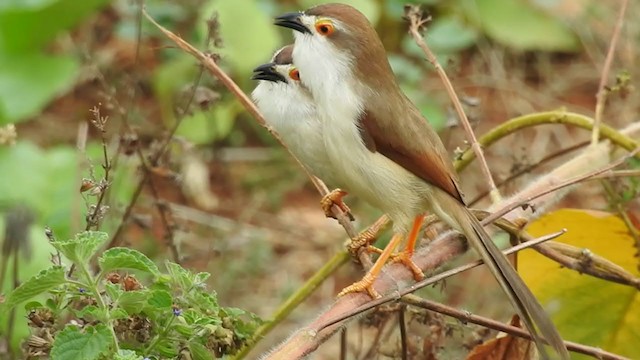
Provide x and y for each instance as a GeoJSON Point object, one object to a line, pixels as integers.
{"type": "Point", "coordinates": [425, 158]}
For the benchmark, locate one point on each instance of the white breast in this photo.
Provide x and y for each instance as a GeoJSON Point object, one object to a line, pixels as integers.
{"type": "Point", "coordinates": [293, 115]}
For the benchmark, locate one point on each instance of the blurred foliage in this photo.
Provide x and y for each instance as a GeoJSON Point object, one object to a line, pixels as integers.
{"type": "Point", "coordinates": [573, 299]}
{"type": "Point", "coordinates": [29, 77]}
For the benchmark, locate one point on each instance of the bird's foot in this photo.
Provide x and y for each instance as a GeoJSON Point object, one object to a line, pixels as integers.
{"type": "Point", "coordinates": [364, 240]}
{"type": "Point", "coordinates": [334, 197]}
{"type": "Point", "coordinates": [404, 257]}
{"type": "Point", "coordinates": [364, 285]}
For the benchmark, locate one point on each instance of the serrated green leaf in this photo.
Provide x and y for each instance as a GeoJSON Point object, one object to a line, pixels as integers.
{"type": "Point", "coordinates": [199, 351]}
{"type": "Point", "coordinates": [521, 25]}
{"type": "Point", "coordinates": [71, 343]}
{"type": "Point", "coordinates": [127, 355]}
{"type": "Point", "coordinates": [201, 277]}
{"type": "Point", "coordinates": [114, 291]}
{"type": "Point", "coordinates": [124, 258]}
{"type": "Point", "coordinates": [45, 280]}
{"type": "Point", "coordinates": [118, 313]}
{"type": "Point", "coordinates": [82, 248]}
{"type": "Point", "coordinates": [183, 329]}
{"type": "Point", "coordinates": [167, 348]}
{"type": "Point", "coordinates": [160, 299]}
{"type": "Point", "coordinates": [181, 276]}
{"type": "Point", "coordinates": [133, 301]}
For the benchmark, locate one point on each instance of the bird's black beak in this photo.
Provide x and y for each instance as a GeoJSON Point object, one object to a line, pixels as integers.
{"type": "Point", "coordinates": [292, 21]}
{"type": "Point", "coordinates": [267, 72]}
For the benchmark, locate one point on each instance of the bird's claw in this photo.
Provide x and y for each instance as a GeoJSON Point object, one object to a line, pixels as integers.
{"type": "Point", "coordinates": [335, 198]}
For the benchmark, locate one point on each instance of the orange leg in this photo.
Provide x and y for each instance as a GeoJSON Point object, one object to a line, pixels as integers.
{"type": "Point", "coordinates": [366, 284]}
{"type": "Point", "coordinates": [405, 255]}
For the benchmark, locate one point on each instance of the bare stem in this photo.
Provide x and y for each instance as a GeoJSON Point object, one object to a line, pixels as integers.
{"type": "Point", "coordinates": [601, 95]}
{"type": "Point", "coordinates": [416, 22]}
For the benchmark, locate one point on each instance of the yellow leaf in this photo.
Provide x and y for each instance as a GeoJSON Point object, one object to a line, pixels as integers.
{"type": "Point", "coordinates": [585, 309]}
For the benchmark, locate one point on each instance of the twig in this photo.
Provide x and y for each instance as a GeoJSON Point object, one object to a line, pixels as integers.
{"type": "Point", "coordinates": [343, 344]}
{"type": "Point", "coordinates": [403, 333]}
{"type": "Point", "coordinates": [601, 95]}
{"type": "Point", "coordinates": [529, 169]}
{"type": "Point", "coordinates": [416, 22]}
{"type": "Point", "coordinates": [519, 202]}
{"type": "Point", "coordinates": [568, 256]}
{"type": "Point", "coordinates": [548, 117]}
{"type": "Point", "coordinates": [466, 316]}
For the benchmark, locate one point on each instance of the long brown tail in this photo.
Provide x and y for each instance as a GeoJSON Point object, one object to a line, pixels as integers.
{"type": "Point", "coordinates": [527, 306]}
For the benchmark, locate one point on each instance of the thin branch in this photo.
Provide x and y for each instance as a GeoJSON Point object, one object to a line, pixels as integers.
{"type": "Point", "coordinates": [520, 202]}
{"type": "Point", "coordinates": [403, 333]}
{"type": "Point", "coordinates": [601, 95]}
{"type": "Point", "coordinates": [548, 117]}
{"type": "Point", "coordinates": [529, 169]}
{"type": "Point", "coordinates": [466, 316]}
{"type": "Point", "coordinates": [414, 15]}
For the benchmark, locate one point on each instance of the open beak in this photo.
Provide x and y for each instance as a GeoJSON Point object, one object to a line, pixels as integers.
{"type": "Point", "coordinates": [292, 21]}
{"type": "Point", "coordinates": [267, 72]}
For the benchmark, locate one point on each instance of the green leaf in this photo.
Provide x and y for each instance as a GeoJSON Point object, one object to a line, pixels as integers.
{"type": "Point", "coordinates": [183, 277]}
{"type": "Point", "coordinates": [82, 248]}
{"type": "Point", "coordinates": [118, 313]}
{"type": "Point", "coordinates": [160, 299]}
{"type": "Point", "coordinates": [44, 281]}
{"type": "Point", "coordinates": [127, 355]}
{"type": "Point", "coordinates": [167, 348]}
{"type": "Point", "coordinates": [90, 313]}
{"type": "Point", "coordinates": [71, 343]}
{"type": "Point", "coordinates": [33, 305]}
{"type": "Point", "coordinates": [114, 291]}
{"type": "Point", "coordinates": [241, 51]}
{"type": "Point", "coordinates": [521, 25]}
{"type": "Point", "coordinates": [448, 34]}
{"type": "Point", "coordinates": [124, 258]}
{"type": "Point", "coordinates": [29, 25]}
{"type": "Point", "coordinates": [133, 301]}
{"type": "Point", "coordinates": [41, 76]}
{"type": "Point", "coordinates": [199, 351]}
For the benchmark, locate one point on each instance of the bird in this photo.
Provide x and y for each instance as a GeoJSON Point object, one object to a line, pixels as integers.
{"type": "Point", "coordinates": [383, 150]}
{"type": "Point", "coordinates": [289, 108]}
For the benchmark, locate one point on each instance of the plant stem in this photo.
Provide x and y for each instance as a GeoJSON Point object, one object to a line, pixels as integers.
{"type": "Point", "coordinates": [549, 117]}
{"type": "Point", "coordinates": [92, 284]}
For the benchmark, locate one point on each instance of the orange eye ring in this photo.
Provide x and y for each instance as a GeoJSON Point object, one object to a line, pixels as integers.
{"type": "Point", "coordinates": [294, 74]}
{"type": "Point", "coordinates": [325, 27]}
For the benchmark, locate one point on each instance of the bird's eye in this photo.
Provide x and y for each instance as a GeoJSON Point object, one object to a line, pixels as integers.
{"type": "Point", "coordinates": [294, 74]}
{"type": "Point", "coordinates": [325, 27]}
